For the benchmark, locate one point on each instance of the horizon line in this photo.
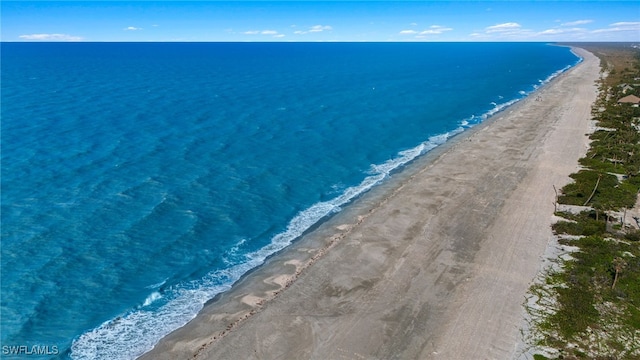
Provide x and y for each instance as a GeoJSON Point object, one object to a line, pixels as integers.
{"type": "Point", "coordinates": [317, 41]}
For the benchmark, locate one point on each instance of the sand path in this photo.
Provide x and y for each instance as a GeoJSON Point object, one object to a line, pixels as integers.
{"type": "Point", "coordinates": [435, 268]}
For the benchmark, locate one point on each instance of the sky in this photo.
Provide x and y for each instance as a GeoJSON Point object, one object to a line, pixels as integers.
{"type": "Point", "coordinates": [545, 21]}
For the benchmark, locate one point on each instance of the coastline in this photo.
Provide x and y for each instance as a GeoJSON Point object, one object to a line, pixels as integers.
{"type": "Point", "coordinates": [412, 267]}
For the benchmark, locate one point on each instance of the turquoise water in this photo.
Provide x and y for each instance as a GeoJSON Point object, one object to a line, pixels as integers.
{"type": "Point", "coordinates": [140, 180]}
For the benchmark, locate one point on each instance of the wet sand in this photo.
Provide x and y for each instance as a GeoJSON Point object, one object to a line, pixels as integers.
{"type": "Point", "coordinates": [432, 265]}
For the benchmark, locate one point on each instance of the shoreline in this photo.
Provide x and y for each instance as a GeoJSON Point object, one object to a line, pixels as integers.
{"type": "Point", "coordinates": [410, 267]}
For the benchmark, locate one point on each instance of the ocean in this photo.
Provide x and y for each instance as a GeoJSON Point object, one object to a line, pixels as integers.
{"type": "Point", "coordinates": [139, 180]}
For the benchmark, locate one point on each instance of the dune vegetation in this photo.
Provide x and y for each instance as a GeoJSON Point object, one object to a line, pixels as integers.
{"type": "Point", "coordinates": [587, 306]}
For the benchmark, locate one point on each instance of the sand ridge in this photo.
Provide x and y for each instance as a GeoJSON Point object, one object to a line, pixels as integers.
{"type": "Point", "coordinates": [436, 267]}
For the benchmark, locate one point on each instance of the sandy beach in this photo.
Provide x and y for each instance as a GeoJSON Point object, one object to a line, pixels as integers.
{"type": "Point", "coordinates": [432, 265]}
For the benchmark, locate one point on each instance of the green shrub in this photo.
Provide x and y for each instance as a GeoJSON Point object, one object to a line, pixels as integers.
{"type": "Point", "coordinates": [584, 227]}
{"type": "Point", "coordinates": [633, 235]}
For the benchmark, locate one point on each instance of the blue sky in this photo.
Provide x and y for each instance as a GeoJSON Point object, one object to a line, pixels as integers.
{"type": "Point", "coordinates": [320, 21]}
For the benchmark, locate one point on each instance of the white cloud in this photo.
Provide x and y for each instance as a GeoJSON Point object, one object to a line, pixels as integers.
{"type": "Point", "coordinates": [273, 33]}
{"type": "Point", "coordinates": [564, 31]}
{"type": "Point", "coordinates": [432, 30]}
{"type": "Point", "coordinates": [551, 32]}
{"type": "Point", "coordinates": [132, 28]}
{"type": "Point", "coordinates": [577, 22]}
{"type": "Point", "coordinates": [618, 31]}
{"type": "Point", "coordinates": [506, 31]}
{"type": "Point", "coordinates": [414, 24]}
{"type": "Point", "coordinates": [620, 27]}
{"type": "Point", "coordinates": [634, 24]}
{"type": "Point", "coordinates": [435, 29]}
{"type": "Point", "coordinates": [506, 27]}
{"type": "Point", "coordinates": [568, 29]}
{"type": "Point", "coordinates": [51, 37]}
{"type": "Point", "coordinates": [314, 29]}
{"type": "Point", "coordinates": [320, 28]}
